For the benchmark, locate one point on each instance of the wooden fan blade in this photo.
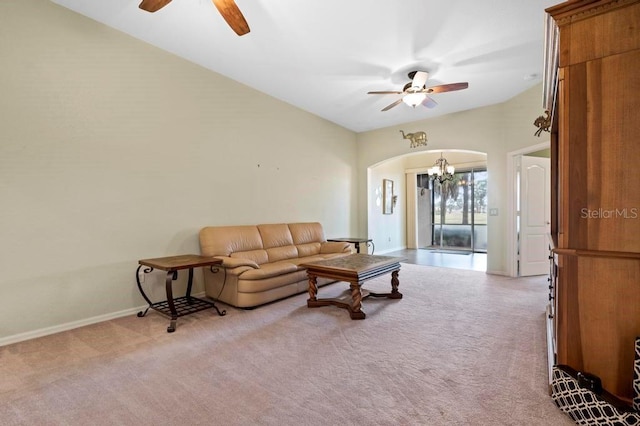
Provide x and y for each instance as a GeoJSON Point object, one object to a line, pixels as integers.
{"type": "Point", "coordinates": [385, 92]}
{"type": "Point", "coordinates": [419, 79]}
{"type": "Point", "coordinates": [153, 5]}
{"type": "Point", "coordinates": [388, 107]}
{"type": "Point", "coordinates": [429, 102]}
{"type": "Point", "coordinates": [231, 13]}
{"type": "Point", "coordinates": [447, 87]}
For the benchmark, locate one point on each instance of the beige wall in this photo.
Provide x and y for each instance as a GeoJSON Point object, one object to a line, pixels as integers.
{"type": "Point", "coordinates": [112, 150]}
{"type": "Point", "coordinates": [495, 130]}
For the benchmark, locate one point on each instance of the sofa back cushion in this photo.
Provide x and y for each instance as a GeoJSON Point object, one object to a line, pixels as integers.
{"type": "Point", "coordinates": [258, 256]}
{"type": "Point", "coordinates": [225, 240]}
{"type": "Point", "coordinates": [310, 249]}
{"type": "Point", "coordinates": [304, 233]}
{"type": "Point", "coordinates": [307, 237]}
{"type": "Point", "coordinates": [262, 243]}
{"type": "Point", "coordinates": [277, 241]}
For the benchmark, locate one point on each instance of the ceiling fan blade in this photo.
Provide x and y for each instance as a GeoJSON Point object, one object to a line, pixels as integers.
{"type": "Point", "coordinates": [385, 92]}
{"type": "Point", "coordinates": [429, 102]}
{"type": "Point", "coordinates": [447, 87]}
{"type": "Point", "coordinates": [232, 14]}
{"type": "Point", "coordinates": [419, 79]}
{"type": "Point", "coordinates": [153, 5]}
{"type": "Point", "coordinates": [388, 107]}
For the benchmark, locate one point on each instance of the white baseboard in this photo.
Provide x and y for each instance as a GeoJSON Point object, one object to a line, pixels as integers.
{"type": "Point", "coordinates": [391, 250]}
{"type": "Point", "coordinates": [21, 337]}
{"type": "Point", "coordinates": [504, 273]}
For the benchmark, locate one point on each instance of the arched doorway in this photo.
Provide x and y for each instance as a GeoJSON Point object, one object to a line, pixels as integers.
{"type": "Point", "coordinates": [414, 225]}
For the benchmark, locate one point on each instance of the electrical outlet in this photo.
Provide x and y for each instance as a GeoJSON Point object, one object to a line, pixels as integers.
{"type": "Point", "coordinates": [493, 212]}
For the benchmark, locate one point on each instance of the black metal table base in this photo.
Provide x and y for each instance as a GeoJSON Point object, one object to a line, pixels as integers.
{"type": "Point", "coordinates": [369, 244]}
{"type": "Point", "coordinates": [174, 307]}
{"type": "Point", "coordinates": [184, 306]}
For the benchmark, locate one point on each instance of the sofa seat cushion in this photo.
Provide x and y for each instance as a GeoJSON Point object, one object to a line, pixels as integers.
{"type": "Point", "coordinates": [307, 259]}
{"type": "Point", "coordinates": [332, 255]}
{"type": "Point", "coordinates": [268, 270]}
{"type": "Point", "coordinates": [333, 247]}
{"type": "Point", "coordinates": [271, 283]}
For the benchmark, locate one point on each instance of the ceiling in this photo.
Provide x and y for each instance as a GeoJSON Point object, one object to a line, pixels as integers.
{"type": "Point", "coordinates": [324, 56]}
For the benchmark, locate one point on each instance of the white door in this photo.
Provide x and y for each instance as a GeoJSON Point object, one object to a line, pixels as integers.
{"type": "Point", "coordinates": [535, 215]}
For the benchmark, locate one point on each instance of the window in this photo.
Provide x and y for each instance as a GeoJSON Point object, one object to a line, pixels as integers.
{"type": "Point", "coordinates": [459, 210]}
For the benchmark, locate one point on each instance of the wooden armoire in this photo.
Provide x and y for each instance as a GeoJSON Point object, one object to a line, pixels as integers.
{"type": "Point", "coordinates": [594, 93]}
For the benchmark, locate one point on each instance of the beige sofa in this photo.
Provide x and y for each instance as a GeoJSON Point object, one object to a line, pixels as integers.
{"type": "Point", "coordinates": [261, 263]}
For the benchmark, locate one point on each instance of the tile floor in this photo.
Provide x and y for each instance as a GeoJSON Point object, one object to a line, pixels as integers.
{"type": "Point", "coordinates": [472, 261]}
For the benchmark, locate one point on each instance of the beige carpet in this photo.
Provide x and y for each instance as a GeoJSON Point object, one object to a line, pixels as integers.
{"type": "Point", "coordinates": [461, 348]}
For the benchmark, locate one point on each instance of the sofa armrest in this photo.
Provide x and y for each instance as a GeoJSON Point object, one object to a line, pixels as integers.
{"type": "Point", "coordinates": [334, 247]}
{"type": "Point", "coordinates": [234, 262]}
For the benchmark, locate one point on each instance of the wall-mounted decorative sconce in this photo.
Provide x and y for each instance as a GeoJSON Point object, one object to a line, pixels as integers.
{"type": "Point", "coordinates": [543, 123]}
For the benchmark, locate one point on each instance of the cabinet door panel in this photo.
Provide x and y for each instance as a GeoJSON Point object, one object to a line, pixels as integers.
{"type": "Point", "coordinates": [602, 207]}
{"type": "Point", "coordinates": [609, 320]}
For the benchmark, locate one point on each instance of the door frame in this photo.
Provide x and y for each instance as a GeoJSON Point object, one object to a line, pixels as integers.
{"type": "Point", "coordinates": [411, 194]}
{"type": "Point", "coordinates": [512, 231]}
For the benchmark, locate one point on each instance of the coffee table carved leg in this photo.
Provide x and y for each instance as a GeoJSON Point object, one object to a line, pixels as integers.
{"type": "Point", "coordinates": [313, 288]}
{"type": "Point", "coordinates": [395, 282]}
{"type": "Point", "coordinates": [355, 310]}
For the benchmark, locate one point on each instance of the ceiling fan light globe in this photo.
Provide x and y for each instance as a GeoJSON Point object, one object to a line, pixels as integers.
{"type": "Point", "coordinates": [413, 99]}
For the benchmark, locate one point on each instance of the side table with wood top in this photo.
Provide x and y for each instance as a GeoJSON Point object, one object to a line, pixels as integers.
{"type": "Point", "coordinates": [356, 241]}
{"type": "Point", "coordinates": [180, 306]}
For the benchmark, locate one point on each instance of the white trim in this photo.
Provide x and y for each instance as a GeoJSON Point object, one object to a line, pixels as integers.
{"type": "Point", "coordinates": [411, 210]}
{"type": "Point", "coordinates": [391, 250]}
{"type": "Point", "coordinates": [551, 347]}
{"type": "Point", "coordinates": [463, 166]}
{"type": "Point", "coordinates": [21, 337]}
{"type": "Point", "coordinates": [512, 266]}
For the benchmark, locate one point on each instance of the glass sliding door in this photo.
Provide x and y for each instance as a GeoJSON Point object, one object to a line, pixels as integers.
{"type": "Point", "coordinates": [479, 210]}
{"type": "Point", "coordinates": [459, 213]}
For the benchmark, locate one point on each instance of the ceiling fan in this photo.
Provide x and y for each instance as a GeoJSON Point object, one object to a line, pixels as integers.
{"type": "Point", "coordinates": [415, 92]}
{"type": "Point", "coordinates": [227, 8]}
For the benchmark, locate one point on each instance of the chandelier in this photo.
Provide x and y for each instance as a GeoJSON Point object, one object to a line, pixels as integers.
{"type": "Point", "coordinates": [441, 171]}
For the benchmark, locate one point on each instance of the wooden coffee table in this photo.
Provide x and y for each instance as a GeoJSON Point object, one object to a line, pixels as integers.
{"type": "Point", "coordinates": [354, 269]}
